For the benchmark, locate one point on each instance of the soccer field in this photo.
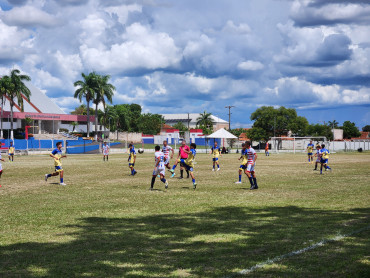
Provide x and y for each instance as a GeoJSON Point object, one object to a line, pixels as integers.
{"type": "Point", "coordinates": [106, 223]}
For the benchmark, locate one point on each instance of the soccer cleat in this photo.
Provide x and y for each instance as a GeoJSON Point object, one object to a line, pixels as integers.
{"type": "Point", "coordinates": [166, 185]}
{"type": "Point", "coordinates": [218, 169]}
{"type": "Point", "coordinates": [172, 171]}
{"type": "Point", "coordinates": [158, 176]}
{"type": "Point", "coordinates": [173, 174]}
{"type": "Point", "coordinates": [46, 177]}
{"type": "Point", "coordinates": [194, 185]}
{"type": "Point", "coordinates": [151, 189]}
{"type": "Point", "coordinates": [256, 186]}
{"type": "Point", "coordinates": [213, 169]}
{"type": "Point", "coordinates": [252, 187]}
{"type": "Point", "coordinates": [181, 178]}
{"type": "Point", "coordinates": [62, 183]}
{"type": "Point", "coordinates": [134, 173]}
{"type": "Point", "coordinates": [238, 182]}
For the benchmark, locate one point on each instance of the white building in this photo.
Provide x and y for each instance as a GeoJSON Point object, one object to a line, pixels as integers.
{"type": "Point", "coordinates": [190, 120]}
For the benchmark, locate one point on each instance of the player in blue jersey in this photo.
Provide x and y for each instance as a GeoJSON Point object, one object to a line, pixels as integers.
{"type": "Point", "coordinates": [188, 163]}
{"type": "Point", "coordinates": [243, 165]}
{"type": "Point", "coordinates": [216, 153]}
{"type": "Point", "coordinates": [310, 148]}
{"type": "Point", "coordinates": [324, 154]}
{"type": "Point", "coordinates": [57, 155]}
{"type": "Point", "coordinates": [132, 159]}
{"type": "Point", "coordinates": [160, 168]}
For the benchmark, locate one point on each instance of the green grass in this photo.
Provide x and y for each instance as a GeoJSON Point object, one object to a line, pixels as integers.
{"type": "Point", "coordinates": [106, 223]}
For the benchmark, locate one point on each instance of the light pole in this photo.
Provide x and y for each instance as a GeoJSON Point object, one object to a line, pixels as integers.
{"type": "Point", "coordinates": [230, 106]}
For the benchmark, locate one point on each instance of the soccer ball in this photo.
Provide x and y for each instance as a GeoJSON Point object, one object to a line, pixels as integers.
{"type": "Point", "coordinates": [140, 150]}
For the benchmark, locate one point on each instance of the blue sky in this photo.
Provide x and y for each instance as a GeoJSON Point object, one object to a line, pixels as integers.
{"type": "Point", "coordinates": [180, 56]}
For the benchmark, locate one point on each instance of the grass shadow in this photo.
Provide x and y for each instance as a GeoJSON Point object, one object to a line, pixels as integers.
{"type": "Point", "coordinates": [207, 244]}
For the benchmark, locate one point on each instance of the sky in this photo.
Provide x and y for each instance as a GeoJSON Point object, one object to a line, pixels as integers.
{"type": "Point", "coordinates": [190, 56]}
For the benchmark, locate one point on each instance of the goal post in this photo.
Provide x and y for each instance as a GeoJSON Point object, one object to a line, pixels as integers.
{"type": "Point", "coordinates": [295, 144]}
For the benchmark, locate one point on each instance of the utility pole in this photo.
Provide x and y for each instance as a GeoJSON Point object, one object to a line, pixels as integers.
{"type": "Point", "coordinates": [230, 106]}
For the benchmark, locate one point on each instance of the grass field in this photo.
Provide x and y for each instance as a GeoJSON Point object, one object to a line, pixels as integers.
{"type": "Point", "coordinates": [105, 223]}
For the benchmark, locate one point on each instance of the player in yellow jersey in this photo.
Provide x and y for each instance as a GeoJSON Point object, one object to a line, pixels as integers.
{"type": "Point", "coordinates": [215, 152]}
{"type": "Point", "coordinates": [57, 155]}
{"type": "Point", "coordinates": [310, 147]}
{"type": "Point", "coordinates": [132, 159]}
{"type": "Point", "coordinates": [11, 152]}
{"type": "Point", "coordinates": [188, 163]}
{"type": "Point", "coordinates": [243, 165]}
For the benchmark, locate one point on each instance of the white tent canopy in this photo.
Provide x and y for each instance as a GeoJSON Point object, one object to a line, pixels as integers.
{"type": "Point", "coordinates": [222, 133]}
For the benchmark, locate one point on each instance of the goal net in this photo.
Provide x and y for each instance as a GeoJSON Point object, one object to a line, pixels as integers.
{"type": "Point", "coordinates": [295, 144]}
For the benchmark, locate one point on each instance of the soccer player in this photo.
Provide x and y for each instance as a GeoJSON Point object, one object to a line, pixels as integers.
{"type": "Point", "coordinates": [216, 152]}
{"type": "Point", "coordinates": [243, 166]}
{"type": "Point", "coordinates": [188, 163]}
{"type": "Point", "coordinates": [105, 151]}
{"type": "Point", "coordinates": [267, 149]}
{"type": "Point", "coordinates": [318, 156]}
{"type": "Point", "coordinates": [324, 153]}
{"type": "Point", "coordinates": [166, 149]}
{"type": "Point", "coordinates": [132, 159]}
{"type": "Point", "coordinates": [11, 152]}
{"type": "Point", "coordinates": [251, 163]}
{"type": "Point", "coordinates": [57, 155]}
{"type": "Point", "coordinates": [159, 168]}
{"type": "Point", "coordinates": [1, 166]}
{"type": "Point", "coordinates": [310, 147]}
{"type": "Point", "coordinates": [183, 154]}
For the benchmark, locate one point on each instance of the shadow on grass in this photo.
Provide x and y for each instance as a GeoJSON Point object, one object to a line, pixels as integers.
{"type": "Point", "coordinates": [206, 244]}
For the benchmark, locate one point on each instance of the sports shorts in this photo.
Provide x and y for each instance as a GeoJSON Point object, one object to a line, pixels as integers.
{"type": "Point", "coordinates": [250, 167]}
{"type": "Point", "coordinates": [58, 169]}
{"type": "Point", "coordinates": [324, 161]}
{"type": "Point", "coordinates": [215, 159]}
{"type": "Point", "coordinates": [159, 171]}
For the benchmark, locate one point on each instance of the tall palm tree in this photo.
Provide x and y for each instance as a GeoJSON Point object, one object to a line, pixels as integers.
{"type": "Point", "coordinates": [86, 91]}
{"type": "Point", "coordinates": [17, 91]}
{"type": "Point", "coordinates": [103, 91]}
{"type": "Point", "coordinates": [205, 121]}
{"type": "Point", "coordinates": [5, 87]}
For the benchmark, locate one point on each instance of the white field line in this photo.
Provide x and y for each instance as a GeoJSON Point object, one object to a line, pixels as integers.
{"type": "Point", "coordinates": [297, 252]}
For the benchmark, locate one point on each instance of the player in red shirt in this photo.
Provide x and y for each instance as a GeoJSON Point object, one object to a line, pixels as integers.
{"type": "Point", "coordinates": [183, 154]}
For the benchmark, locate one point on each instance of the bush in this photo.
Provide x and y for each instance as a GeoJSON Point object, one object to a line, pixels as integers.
{"type": "Point", "coordinates": [63, 130]}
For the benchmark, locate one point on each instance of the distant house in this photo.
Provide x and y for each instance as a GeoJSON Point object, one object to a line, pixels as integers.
{"type": "Point", "coordinates": [365, 136]}
{"type": "Point", "coordinates": [190, 120]}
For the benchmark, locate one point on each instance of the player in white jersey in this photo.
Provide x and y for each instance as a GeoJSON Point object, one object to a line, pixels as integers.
{"type": "Point", "coordinates": [1, 166]}
{"type": "Point", "coordinates": [105, 151]}
{"type": "Point", "coordinates": [159, 168]}
{"type": "Point", "coordinates": [166, 149]}
{"type": "Point", "coordinates": [251, 163]}
{"type": "Point", "coordinates": [318, 156]}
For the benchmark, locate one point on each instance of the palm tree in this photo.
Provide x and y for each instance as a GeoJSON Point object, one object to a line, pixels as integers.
{"type": "Point", "coordinates": [103, 90]}
{"type": "Point", "coordinates": [18, 90]}
{"type": "Point", "coordinates": [205, 122]}
{"type": "Point", "coordinates": [5, 87]}
{"type": "Point", "coordinates": [86, 91]}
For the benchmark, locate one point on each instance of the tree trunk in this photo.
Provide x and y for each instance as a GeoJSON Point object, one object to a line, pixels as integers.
{"type": "Point", "coordinates": [11, 120]}
{"type": "Point", "coordinates": [96, 122]}
{"type": "Point", "coordinates": [88, 118]}
{"type": "Point", "coordinates": [2, 114]}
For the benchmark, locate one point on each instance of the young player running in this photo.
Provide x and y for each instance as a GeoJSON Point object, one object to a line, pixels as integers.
{"type": "Point", "coordinates": [132, 159]}
{"type": "Point", "coordinates": [318, 156]}
{"type": "Point", "coordinates": [166, 149]}
{"type": "Point", "coordinates": [159, 168]}
{"type": "Point", "coordinates": [183, 154]}
{"type": "Point", "coordinates": [57, 155]}
{"type": "Point", "coordinates": [243, 166]}
{"type": "Point", "coordinates": [105, 151]}
{"type": "Point", "coordinates": [188, 163]}
{"type": "Point", "coordinates": [267, 149]}
{"type": "Point", "coordinates": [324, 153]}
{"type": "Point", "coordinates": [310, 147]}
{"type": "Point", "coordinates": [251, 163]}
{"type": "Point", "coordinates": [11, 152]}
{"type": "Point", "coordinates": [215, 152]}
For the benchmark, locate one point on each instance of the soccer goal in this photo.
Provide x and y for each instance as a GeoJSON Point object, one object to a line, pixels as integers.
{"type": "Point", "coordinates": [295, 144]}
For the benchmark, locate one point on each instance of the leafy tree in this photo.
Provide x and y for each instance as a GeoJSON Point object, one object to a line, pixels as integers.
{"type": "Point", "coordinates": [205, 122]}
{"type": "Point", "coordinates": [257, 134]}
{"type": "Point", "coordinates": [350, 130]}
{"type": "Point", "coordinates": [104, 91]}
{"type": "Point", "coordinates": [16, 91]}
{"type": "Point", "coordinates": [320, 130]}
{"type": "Point", "coordinates": [238, 131]}
{"type": "Point", "coordinates": [86, 91]}
{"type": "Point", "coordinates": [366, 128]}
{"type": "Point", "coordinates": [299, 126]}
{"type": "Point", "coordinates": [82, 110]}
{"type": "Point", "coordinates": [333, 124]}
{"type": "Point", "coordinates": [74, 125]}
{"type": "Point", "coordinates": [150, 123]}
{"type": "Point", "coordinates": [5, 88]}
{"type": "Point", "coordinates": [181, 127]}
{"type": "Point", "coordinates": [135, 112]}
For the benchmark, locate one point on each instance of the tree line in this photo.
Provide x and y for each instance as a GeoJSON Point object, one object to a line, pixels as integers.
{"type": "Point", "coordinates": [276, 122]}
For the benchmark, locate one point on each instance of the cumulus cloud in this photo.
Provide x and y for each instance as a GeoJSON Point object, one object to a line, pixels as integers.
{"type": "Point", "coordinates": [29, 16]}
{"type": "Point", "coordinates": [250, 65]}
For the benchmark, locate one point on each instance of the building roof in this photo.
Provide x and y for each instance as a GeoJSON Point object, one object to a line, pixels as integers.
{"type": "Point", "coordinates": [192, 117]}
{"type": "Point", "coordinates": [39, 103]}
